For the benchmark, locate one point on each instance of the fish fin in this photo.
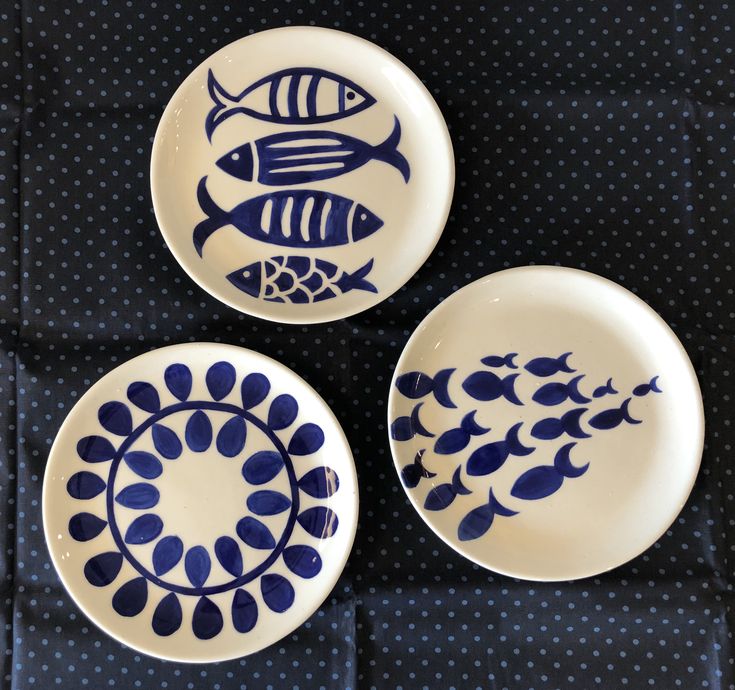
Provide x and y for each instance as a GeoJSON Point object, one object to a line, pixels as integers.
{"type": "Point", "coordinates": [216, 217]}
{"type": "Point", "coordinates": [509, 393]}
{"type": "Point", "coordinates": [388, 152]}
{"type": "Point", "coordinates": [563, 462]}
{"type": "Point", "coordinates": [356, 280]}
{"type": "Point", "coordinates": [459, 488]}
{"type": "Point", "coordinates": [416, 425]}
{"type": "Point", "coordinates": [441, 388]}
{"type": "Point", "coordinates": [498, 508]}
{"type": "Point", "coordinates": [653, 385]}
{"type": "Point", "coordinates": [571, 423]}
{"type": "Point", "coordinates": [513, 443]}
{"type": "Point", "coordinates": [574, 393]}
{"type": "Point", "coordinates": [509, 360]}
{"type": "Point", "coordinates": [626, 414]}
{"type": "Point", "coordinates": [222, 101]}
{"type": "Point", "coordinates": [563, 365]}
{"type": "Point", "coordinates": [470, 426]}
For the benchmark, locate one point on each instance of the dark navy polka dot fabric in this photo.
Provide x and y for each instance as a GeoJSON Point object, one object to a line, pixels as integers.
{"type": "Point", "coordinates": [593, 135]}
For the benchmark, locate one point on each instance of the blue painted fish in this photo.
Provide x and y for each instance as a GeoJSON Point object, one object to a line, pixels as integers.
{"type": "Point", "coordinates": [289, 158]}
{"type": "Point", "coordinates": [548, 366]}
{"type": "Point", "coordinates": [498, 361]}
{"type": "Point", "coordinates": [492, 456]}
{"type": "Point", "coordinates": [553, 427]}
{"type": "Point", "coordinates": [405, 428]}
{"type": "Point", "coordinates": [416, 384]}
{"type": "Point", "coordinates": [602, 391]}
{"type": "Point", "coordinates": [295, 96]}
{"type": "Point", "coordinates": [609, 419]}
{"type": "Point", "coordinates": [301, 218]}
{"type": "Point", "coordinates": [540, 482]}
{"type": "Point", "coordinates": [646, 388]}
{"type": "Point", "coordinates": [555, 393]}
{"type": "Point", "coordinates": [298, 279]}
{"type": "Point", "coordinates": [454, 440]}
{"type": "Point", "coordinates": [442, 496]}
{"type": "Point", "coordinates": [412, 474]}
{"type": "Point", "coordinates": [479, 520]}
{"type": "Point", "coordinates": [485, 386]}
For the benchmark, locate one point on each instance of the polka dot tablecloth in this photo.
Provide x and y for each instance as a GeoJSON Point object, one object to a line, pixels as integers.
{"type": "Point", "coordinates": [599, 136]}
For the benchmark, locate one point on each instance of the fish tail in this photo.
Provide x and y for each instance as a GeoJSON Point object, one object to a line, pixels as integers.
{"type": "Point", "coordinates": [416, 426]}
{"type": "Point", "coordinates": [563, 463]}
{"type": "Point", "coordinates": [470, 426]}
{"type": "Point", "coordinates": [653, 385]}
{"type": "Point", "coordinates": [609, 388]}
{"type": "Point", "coordinates": [388, 152]}
{"type": "Point", "coordinates": [216, 217]}
{"type": "Point", "coordinates": [497, 508]}
{"type": "Point", "coordinates": [441, 388]}
{"type": "Point", "coordinates": [626, 414]}
{"type": "Point", "coordinates": [513, 443]}
{"type": "Point", "coordinates": [563, 366]}
{"type": "Point", "coordinates": [573, 388]}
{"type": "Point", "coordinates": [222, 100]}
{"type": "Point", "coordinates": [571, 423]}
{"type": "Point", "coordinates": [356, 280]}
{"type": "Point", "coordinates": [508, 359]}
{"type": "Point", "coordinates": [418, 461]}
{"type": "Point", "coordinates": [509, 393]}
{"type": "Point", "coordinates": [457, 486]}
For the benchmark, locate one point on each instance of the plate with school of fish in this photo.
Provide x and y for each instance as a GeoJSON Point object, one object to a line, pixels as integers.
{"type": "Point", "coordinates": [301, 174]}
{"type": "Point", "coordinates": [546, 423]}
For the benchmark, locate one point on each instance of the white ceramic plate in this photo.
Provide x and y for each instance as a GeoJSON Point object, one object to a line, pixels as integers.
{"type": "Point", "coordinates": [200, 502]}
{"type": "Point", "coordinates": [301, 174]}
{"type": "Point", "coordinates": [546, 423]}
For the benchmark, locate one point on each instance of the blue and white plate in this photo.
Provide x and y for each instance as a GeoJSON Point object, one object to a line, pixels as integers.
{"type": "Point", "coordinates": [301, 174]}
{"type": "Point", "coordinates": [200, 502]}
{"type": "Point", "coordinates": [546, 423]}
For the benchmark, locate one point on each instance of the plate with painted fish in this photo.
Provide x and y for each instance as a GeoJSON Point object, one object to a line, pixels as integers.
{"type": "Point", "coordinates": [301, 174]}
{"type": "Point", "coordinates": [546, 423]}
{"type": "Point", "coordinates": [200, 502]}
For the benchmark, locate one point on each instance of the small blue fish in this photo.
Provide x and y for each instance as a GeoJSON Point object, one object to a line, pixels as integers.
{"type": "Point", "coordinates": [442, 496]}
{"type": "Point", "coordinates": [552, 427]}
{"type": "Point", "coordinates": [607, 389]}
{"type": "Point", "coordinates": [485, 385]}
{"type": "Point", "coordinates": [454, 440]}
{"type": "Point", "coordinates": [646, 388]}
{"type": "Point", "coordinates": [412, 474]}
{"type": "Point", "coordinates": [556, 392]}
{"type": "Point", "coordinates": [479, 520]}
{"type": "Point", "coordinates": [289, 158]}
{"type": "Point", "coordinates": [498, 361]}
{"type": "Point", "coordinates": [301, 218]}
{"type": "Point", "coordinates": [609, 419]}
{"type": "Point", "coordinates": [548, 366]}
{"type": "Point", "coordinates": [405, 428]}
{"type": "Point", "coordinates": [492, 456]}
{"type": "Point", "coordinates": [298, 279]}
{"type": "Point", "coordinates": [295, 96]}
{"type": "Point", "coordinates": [416, 384]}
{"type": "Point", "coordinates": [540, 482]}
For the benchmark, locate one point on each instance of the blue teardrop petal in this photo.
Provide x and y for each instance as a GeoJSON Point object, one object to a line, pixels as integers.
{"type": "Point", "coordinates": [166, 441]}
{"type": "Point", "coordinates": [95, 449]}
{"type": "Point", "coordinates": [308, 439]}
{"type": "Point", "coordinates": [229, 556]}
{"type": "Point", "coordinates": [319, 522]}
{"type": "Point", "coordinates": [302, 560]}
{"type": "Point", "coordinates": [115, 417]}
{"type": "Point", "coordinates": [321, 482]}
{"type": "Point", "coordinates": [144, 395]}
{"type": "Point", "coordinates": [102, 569]}
{"type": "Point", "coordinates": [144, 464]}
{"type": "Point", "coordinates": [283, 412]}
{"type": "Point", "coordinates": [244, 611]}
{"type": "Point", "coordinates": [138, 496]}
{"type": "Point", "coordinates": [85, 526]}
{"type": "Point", "coordinates": [254, 390]}
{"type": "Point", "coordinates": [231, 437]}
{"type": "Point", "coordinates": [144, 529]}
{"type": "Point", "coordinates": [131, 598]}
{"type": "Point", "coordinates": [255, 534]}
{"type": "Point", "coordinates": [167, 616]}
{"type": "Point", "coordinates": [198, 565]}
{"type": "Point", "coordinates": [198, 432]}
{"type": "Point", "coordinates": [220, 379]}
{"type": "Point", "coordinates": [278, 594]}
{"type": "Point", "coordinates": [85, 485]}
{"type": "Point", "coordinates": [207, 620]}
{"type": "Point", "coordinates": [167, 554]}
{"type": "Point", "coordinates": [261, 467]}
{"type": "Point", "coordinates": [178, 380]}
{"type": "Point", "coordinates": [268, 502]}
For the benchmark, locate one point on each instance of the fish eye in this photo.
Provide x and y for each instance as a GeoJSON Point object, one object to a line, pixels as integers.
{"type": "Point", "coordinates": [235, 156]}
{"type": "Point", "coordinates": [350, 95]}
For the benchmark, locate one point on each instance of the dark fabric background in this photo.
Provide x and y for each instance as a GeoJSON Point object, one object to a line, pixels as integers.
{"type": "Point", "coordinates": [589, 135]}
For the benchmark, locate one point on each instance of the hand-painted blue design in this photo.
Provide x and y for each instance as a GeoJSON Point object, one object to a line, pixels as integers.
{"type": "Point", "coordinates": [298, 218]}
{"type": "Point", "coordinates": [548, 366]}
{"type": "Point", "coordinates": [167, 616]}
{"type": "Point", "coordinates": [499, 361]}
{"type": "Point", "coordinates": [443, 495]}
{"type": "Point", "coordinates": [307, 439]}
{"type": "Point", "coordinates": [138, 496]}
{"type": "Point", "coordinates": [231, 437]}
{"type": "Point", "coordinates": [178, 380]}
{"type": "Point", "coordinates": [609, 419]}
{"type": "Point", "coordinates": [144, 464]}
{"type": "Point", "coordinates": [198, 432]}
{"type": "Point", "coordinates": [143, 395]}
{"type": "Point", "coordinates": [540, 482]}
{"type": "Point", "coordinates": [102, 569]}
{"type": "Point", "coordinates": [412, 474]}
{"type": "Point", "coordinates": [321, 482]}
{"type": "Point", "coordinates": [486, 386]}
{"type": "Point", "coordinates": [262, 467]}
{"type": "Point", "coordinates": [416, 384]}
{"type": "Point", "coordinates": [299, 279]}
{"type": "Point", "coordinates": [85, 485]}
{"type": "Point", "coordinates": [302, 560]}
{"type": "Point", "coordinates": [254, 390]}
{"type": "Point", "coordinates": [268, 502]}
{"type": "Point", "coordinates": [278, 593]}
{"type": "Point", "coordinates": [405, 428]}
{"type": "Point", "coordinates": [144, 529]}
{"type": "Point", "coordinates": [290, 158]}
{"type": "Point", "coordinates": [282, 412]}
{"type": "Point", "coordinates": [295, 96]}
{"type": "Point", "coordinates": [454, 440]}
{"type": "Point", "coordinates": [255, 534]}
{"type": "Point", "coordinates": [85, 526]}
{"type": "Point", "coordinates": [95, 449]}
{"type": "Point", "coordinates": [553, 427]}
{"type": "Point", "coordinates": [167, 554]}
{"type": "Point", "coordinates": [115, 417]}
{"type": "Point", "coordinates": [198, 565]}
{"type": "Point", "coordinates": [646, 388]}
{"type": "Point", "coordinates": [244, 611]}
{"type": "Point", "coordinates": [492, 456]}
{"type": "Point", "coordinates": [602, 391]}
{"type": "Point", "coordinates": [220, 379]}
{"type": "Point", "coordinates": [131, 598]}
{"type": "Point", "coordinates": [479, 520]}
{"type": "Point", "coordinates": [319, 522]}
{"type": "Point", "coordinates": [229, 555]}
{"type": "Point", "coordinates": [206, 621]}
{"type": "Point", "coordinates": [166, 441]}
{"type": "Point", "coordinates": [555, 393]}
